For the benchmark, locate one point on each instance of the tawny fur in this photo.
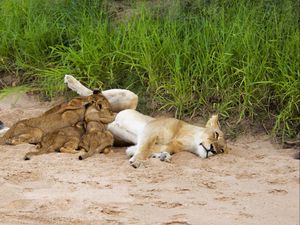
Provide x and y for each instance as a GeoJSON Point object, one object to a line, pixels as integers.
{"type": "Point", "coordinates": [171, 136]}
{"type": "Point", "coordinates": [63, 115]}
{"type": "Point", "coordinates": [96, 140]}
{"type": "Point", "coordinates": [64, 140]}
{"type": "Point", "coordinates": [119, 99]}
{"type": "Point", "coordinates": [99, 110]}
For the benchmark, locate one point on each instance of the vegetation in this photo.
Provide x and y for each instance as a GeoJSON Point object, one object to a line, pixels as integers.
{"type": "Point", "coordinates": [236, 57]}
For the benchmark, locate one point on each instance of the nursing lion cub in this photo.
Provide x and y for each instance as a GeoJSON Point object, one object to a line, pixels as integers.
{"type": "Point", "coordinates": [32, 130]}
{"type": "Point", "coordinates": [97, 139]}
{"type": "Point", "coordinates": [65, 140]}
{"type": "Point", "coordinates": [163, 137]}
{"type": "Point", "coordinates": [64, 115]}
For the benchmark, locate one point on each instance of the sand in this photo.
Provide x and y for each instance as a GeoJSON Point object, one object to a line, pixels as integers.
{"type": "Point", "coordinates": [256, 183]}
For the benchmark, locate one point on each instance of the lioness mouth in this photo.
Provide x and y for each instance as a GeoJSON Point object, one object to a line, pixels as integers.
{"type": "Point", "coordinates": [1, 125]}
{"type": "Point", "coordinates": [211, 149]}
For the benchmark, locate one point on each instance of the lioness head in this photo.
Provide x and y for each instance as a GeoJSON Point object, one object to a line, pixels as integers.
{"type": "Point", "coordinates": [214, 141]}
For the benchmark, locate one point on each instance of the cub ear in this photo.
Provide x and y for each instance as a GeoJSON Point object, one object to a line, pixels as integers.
{"type": "Point", "coordinates": [213, 122]}
{"type": "Point", "coordinates": [96, 91]}
{"type": "Point", "coordinates": [76, 103]}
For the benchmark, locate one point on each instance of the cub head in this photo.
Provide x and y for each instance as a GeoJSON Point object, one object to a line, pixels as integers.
{"type": "Point", "coordinates": [99, 109]}
{"type": "Point", "coordinates": [99, 101]}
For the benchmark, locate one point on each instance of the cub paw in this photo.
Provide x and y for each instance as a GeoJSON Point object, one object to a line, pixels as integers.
{"type": "Point", "coordinates": [26, 157]}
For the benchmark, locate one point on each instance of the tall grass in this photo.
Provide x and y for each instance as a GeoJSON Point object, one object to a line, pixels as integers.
{"type": "Point", "coordinates": [237, 58]}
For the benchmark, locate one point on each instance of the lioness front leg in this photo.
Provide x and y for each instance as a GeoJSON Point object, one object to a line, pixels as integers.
{"type": "Point", "coordinates": [143, 151]}
{"type": "Point", "coordinates": [151, 148]}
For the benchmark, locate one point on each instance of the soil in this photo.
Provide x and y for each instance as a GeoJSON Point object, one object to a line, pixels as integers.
{"type": "Point", "coordinates": [256, 183]}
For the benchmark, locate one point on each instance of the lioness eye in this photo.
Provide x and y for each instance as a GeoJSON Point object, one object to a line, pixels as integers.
{"type": "Point", "coordinates": [216, 135]}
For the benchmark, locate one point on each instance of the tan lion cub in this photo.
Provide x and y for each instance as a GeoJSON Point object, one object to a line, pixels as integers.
{"type": "Point", "coordinates": [32, 130]}
{"type": "Point", "coordinates": [64, 140]}
{"type": "Point", "coordinates": [163, 137]}
{"type": "Point", "coordinates": [60, 116]}
{"type": "Point", "coordinates": [97, 139]}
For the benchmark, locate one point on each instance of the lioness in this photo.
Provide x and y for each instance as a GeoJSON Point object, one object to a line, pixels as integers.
{"type": "Point", "coordinates": [166, 136]}
{"type": "Point", "coordinates": [64, 140]}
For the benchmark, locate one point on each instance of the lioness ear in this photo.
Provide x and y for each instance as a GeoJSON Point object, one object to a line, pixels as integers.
{"type": "Point", "coordinates": [213, 122]}
{"type": "Point", "coordinates": [216, 134]}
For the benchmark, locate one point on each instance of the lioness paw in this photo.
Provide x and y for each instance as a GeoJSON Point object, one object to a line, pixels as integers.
{"type": "Point", "coordinates": [165, 156]}
{"type": "Point", "coordinates": [134, 162]}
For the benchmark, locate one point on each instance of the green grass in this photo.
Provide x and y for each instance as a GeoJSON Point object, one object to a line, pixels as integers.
{"type": "Point", "coordinates": [238, 58]}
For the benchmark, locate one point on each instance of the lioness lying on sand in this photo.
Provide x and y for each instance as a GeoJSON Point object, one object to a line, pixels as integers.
{"type": "Point", "coordinates": [159, 137]}
{"type": "Point", "coordinates": [166, 136]}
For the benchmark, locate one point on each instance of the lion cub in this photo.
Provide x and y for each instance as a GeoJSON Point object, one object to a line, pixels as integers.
{"type": "Point", "coordinates": [63, 115]}
{"type": "Point", "coordinates": [32, 130]}
{"type": "Point", "coordinates": [64, 140]}
{"type": "Point", "coordinates": [97, 138]}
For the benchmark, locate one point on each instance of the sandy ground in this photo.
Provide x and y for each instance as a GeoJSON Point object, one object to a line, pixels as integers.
{"type": "Point", "coordinates": [257, 183]}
